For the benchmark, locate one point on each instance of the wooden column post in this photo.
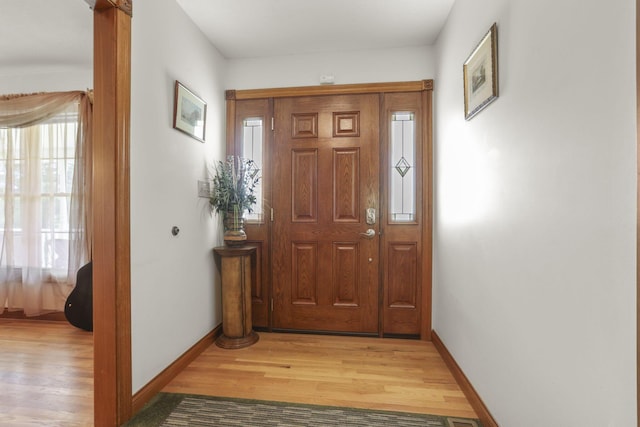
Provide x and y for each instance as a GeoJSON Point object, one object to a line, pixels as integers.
{"type": "Point", "coordinates": [111, 243]}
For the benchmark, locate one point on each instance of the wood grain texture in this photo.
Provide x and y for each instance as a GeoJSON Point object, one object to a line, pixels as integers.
{"type": "Point", "coordinates": [427, 210]}
{"type": "Point", "coordinates": [304, 125]}
{"type": "Point", "coordinates": [415, 96]}
{"type": "Point", "coordinates": [473, 397]}
{"type": "Point", "coordinates": [324, 185]}
{"type": "Point", "coordinates": [46, 369]}
{"type": "Point", "coordinates": [304, 195]}
{"type": "Point", "coordinates": [57, 316]}
{"type": "Point", "coordinates": [350, 89]}
{"type": "Point", "coordinates": [638, 211]}
{"type": "Point", "coordinates": [125, 5]}
{"type": "Point", "coordinates": [111, 245]}
{"type": "Point", "coordinates": [346, 124]}
{"type": "Point", "coordinates": [346, 185]}
{"type": "Point", "coordinates": [304, 285]}
{"type": "Point", "coordinates": [402, 291]}
{"type": "Point", "coordinates": [235, 273]}
{"type": "Point", "coordinates": [163, 378]}
{"type": "Point", "coordinates": [406, 319]}
{"type": "Point", "coordinates": [345, 274]}
{"type": "Point", "coordinates": [258, 232]}
{"type": "Point", "coordinates": [386, 374]}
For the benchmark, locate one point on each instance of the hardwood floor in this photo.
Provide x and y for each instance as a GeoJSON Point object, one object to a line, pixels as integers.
{"type": "Point", "coordinates": [46, 372]}
{"type": "Point", "coordinates": [388, 374]}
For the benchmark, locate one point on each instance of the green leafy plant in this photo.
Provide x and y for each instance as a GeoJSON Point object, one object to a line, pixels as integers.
{"type": "Point", "coordinates": [234, 185]}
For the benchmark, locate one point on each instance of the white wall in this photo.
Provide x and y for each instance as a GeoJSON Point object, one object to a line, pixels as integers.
{"type": "Point", "coordinates": [45, 79]}
{"type": "Point", "coordinates": [175, 291]}
{"type": "Point", "coordinates": [534, 235]}
{"type": "Point", "coordinates": [362, 66]}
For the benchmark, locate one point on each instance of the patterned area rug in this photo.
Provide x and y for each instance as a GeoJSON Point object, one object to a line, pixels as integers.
{"type": "Point", "coordinates": [179, 410]}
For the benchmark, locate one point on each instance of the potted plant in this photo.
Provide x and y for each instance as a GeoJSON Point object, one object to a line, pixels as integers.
{"type": "Point", "coordinates": [234, 184]}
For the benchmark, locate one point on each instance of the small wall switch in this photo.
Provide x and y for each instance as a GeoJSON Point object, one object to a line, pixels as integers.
{"type": "Point", "coordinates": [327, 79]}
{"type": "Point", "coordinates": [204, 189]}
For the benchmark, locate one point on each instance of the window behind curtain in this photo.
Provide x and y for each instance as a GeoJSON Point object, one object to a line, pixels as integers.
{"type": "Point", "coordinates": [45, 197]}
{"type": "Point", "coordinates": [35, 193]}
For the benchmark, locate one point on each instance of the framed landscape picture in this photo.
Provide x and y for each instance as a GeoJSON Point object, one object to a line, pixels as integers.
{"type": "Point", "coordinates": [480, 74]}
{"type": "Point", "coordinates": [189, 112]}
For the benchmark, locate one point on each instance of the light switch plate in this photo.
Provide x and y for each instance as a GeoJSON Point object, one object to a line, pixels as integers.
{"type": "Point", "coordinates": [204, 189]}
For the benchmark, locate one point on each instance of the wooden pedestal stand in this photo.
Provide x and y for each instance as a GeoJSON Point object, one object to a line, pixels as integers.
{"type": "Point", "coordinates": [235, 272]}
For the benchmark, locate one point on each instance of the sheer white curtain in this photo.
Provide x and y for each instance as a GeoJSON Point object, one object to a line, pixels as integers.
{"type": "Point", "coordinates": [45, 177]}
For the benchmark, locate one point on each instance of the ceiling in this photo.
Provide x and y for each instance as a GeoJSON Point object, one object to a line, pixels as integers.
{"type": "Point", "coordinates": [257, 28]}
{"type": "Point", "coordinates": [45, 34]}
{"type": "Point", "coordinates": [58, 33]}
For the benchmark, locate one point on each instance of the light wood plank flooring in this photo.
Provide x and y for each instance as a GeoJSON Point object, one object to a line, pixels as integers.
{"type": "Point", "coordinates": [46, 374]}
{"type": "Point", "coordinates": [388, 374]}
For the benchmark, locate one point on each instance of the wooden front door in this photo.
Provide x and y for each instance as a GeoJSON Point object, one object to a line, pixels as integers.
{"type": "Point", "coordinates": [326, 155]}
{"type": "Point", "coordinates": [325, 177]}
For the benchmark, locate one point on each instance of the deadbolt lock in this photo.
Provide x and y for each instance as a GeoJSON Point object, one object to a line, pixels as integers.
{"type": "Point", "coordinates": [371, 216]}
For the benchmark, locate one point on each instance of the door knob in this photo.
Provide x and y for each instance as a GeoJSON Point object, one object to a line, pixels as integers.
{"type": "Point", "coordinates": [369, 234]}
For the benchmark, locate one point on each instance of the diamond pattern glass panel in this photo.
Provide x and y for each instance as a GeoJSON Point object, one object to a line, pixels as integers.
{"type": "Point", "coordinates": [402, 193]}
{"type": "Point", "coordinates": [403, 167]}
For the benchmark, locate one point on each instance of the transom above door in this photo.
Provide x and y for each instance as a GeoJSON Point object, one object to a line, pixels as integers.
{"type": "Point", "coordinates": [343, 232]}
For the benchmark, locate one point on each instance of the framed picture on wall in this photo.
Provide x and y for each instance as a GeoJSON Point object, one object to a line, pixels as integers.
{"type": "Point", "coordinates": [480, 74]}
{"type": "Point", "coordinates": [189, 112]}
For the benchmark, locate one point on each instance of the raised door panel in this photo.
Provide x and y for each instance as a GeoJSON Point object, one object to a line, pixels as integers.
{"type": "Point", "coordinates": [346, 271]}
{"type": "Point", "coordinates": [304, 194]}
{"type": "Point", "coordinates": [304, 259]}
{"type": "Point", "coordinates": [346, 185]}
{"type": "Point", "coordinates": [402, 291]}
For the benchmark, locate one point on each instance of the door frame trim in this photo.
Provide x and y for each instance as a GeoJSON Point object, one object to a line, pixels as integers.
{"type": "Point", "coordinates": [424, 86]}
{"type": "Point", "coordinates": [427, 206]}
{"type": "Point", "coordinates": [349, 89]}
{"type": "Point", "coordinates": [637, 211]}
